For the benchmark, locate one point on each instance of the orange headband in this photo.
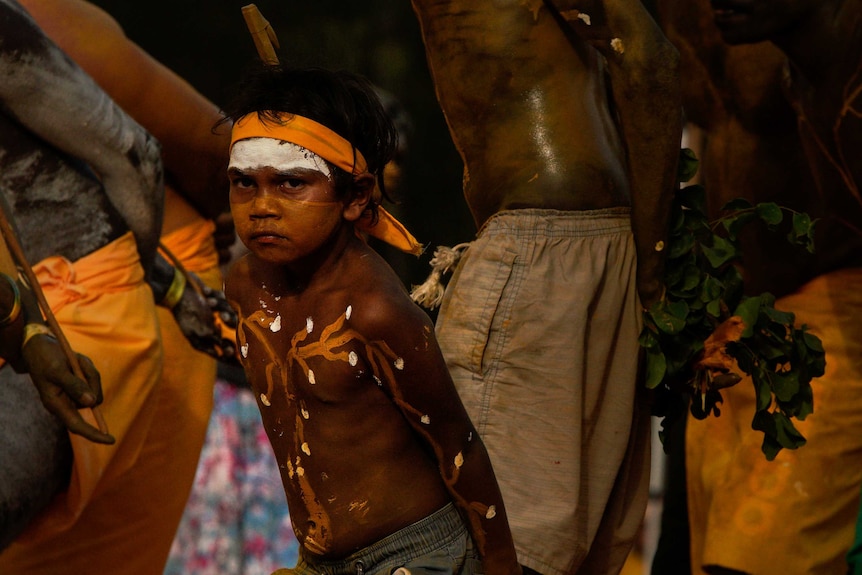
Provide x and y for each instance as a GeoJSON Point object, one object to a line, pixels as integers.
{"type": "Point", "coordinates": [319, 139]}
{"type": "Point", "coordinates": [309, 134]}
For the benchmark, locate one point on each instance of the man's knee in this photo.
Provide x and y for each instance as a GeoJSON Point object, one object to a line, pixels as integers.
{"type": "Point", "coordinates": [36, 455]}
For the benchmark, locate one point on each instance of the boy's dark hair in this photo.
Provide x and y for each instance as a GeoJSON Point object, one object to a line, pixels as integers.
{"type": "Point", "coordinates": [344, 102]}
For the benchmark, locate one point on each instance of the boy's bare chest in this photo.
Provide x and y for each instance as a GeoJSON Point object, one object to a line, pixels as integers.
{"type": "Point", "coordinates": [305, 354]}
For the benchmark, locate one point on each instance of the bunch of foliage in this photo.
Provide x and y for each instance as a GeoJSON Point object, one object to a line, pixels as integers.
{"type": "Point", "coordinates": [705, 334]}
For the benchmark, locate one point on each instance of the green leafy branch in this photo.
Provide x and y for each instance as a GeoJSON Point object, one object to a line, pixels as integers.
{"type": "Point", "coordinates": [705, 334]}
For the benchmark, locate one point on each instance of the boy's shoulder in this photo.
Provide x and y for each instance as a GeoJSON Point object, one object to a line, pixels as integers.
{"type": "Point", "coordinates": [381, 305]}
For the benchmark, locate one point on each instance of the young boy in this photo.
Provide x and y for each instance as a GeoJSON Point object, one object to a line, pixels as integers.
{"type": "Point", "coordinates": [381, 465]}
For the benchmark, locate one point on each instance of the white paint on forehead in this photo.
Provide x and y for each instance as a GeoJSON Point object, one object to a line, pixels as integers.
{"type": "Point", "coordinates": [254, 153]}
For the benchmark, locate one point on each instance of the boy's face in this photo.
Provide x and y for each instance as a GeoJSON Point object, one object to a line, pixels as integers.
{"type": "Point", "coordinates": [282, 199]}
{"type": "Point", "coordinates": [749, 21]}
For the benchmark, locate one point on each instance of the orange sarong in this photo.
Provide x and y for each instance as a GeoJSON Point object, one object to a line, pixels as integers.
{"type": "Point", "coordinates": [107, 313]}
{"type": "Point", "coordinates": [795, 514]}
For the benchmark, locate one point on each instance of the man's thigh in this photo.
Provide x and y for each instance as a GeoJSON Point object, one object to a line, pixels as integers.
{"type": "Point", "coordinates": [35, 455]}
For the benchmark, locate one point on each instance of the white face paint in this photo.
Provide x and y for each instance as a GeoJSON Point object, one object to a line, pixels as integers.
{"type": "Point", "coordinates": [284, 156]}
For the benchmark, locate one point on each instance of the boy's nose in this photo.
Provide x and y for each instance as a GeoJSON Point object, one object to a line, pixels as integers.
{"type": "Point", "coordinates": [264, 205]}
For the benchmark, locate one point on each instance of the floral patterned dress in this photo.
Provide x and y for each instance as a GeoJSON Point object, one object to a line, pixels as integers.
{"type": "Point", "coordinates": [236, 520]}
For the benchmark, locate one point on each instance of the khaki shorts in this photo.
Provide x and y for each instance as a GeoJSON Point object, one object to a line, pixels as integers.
{"type": "Point", "coordinates": [539, 327]}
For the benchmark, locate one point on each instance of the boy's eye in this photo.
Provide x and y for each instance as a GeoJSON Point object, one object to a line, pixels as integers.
{"type": "Point", "coordinates": [292, 182]}
{"type": "Point", "coordinates": [241, 182]}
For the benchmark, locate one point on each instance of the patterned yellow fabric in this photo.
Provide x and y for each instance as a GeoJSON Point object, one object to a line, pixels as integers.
{"type": "Point", "coordinates": [795, 514]}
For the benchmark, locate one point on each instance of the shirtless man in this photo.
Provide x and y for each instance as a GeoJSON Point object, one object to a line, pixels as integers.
{"type": "Point", "coordinates": [195, 159]}
{"type": "Point", "coordinates": [567, 117]}
{"type": "Point", "coordinates": [50, 109]}
{"type": "Point", "coordinates": [769, 112]}
{"type": "Point", "coordinates": [71, 158]}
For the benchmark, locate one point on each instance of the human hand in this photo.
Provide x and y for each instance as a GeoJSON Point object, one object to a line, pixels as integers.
{"type": "Point", "coordinates": [199, 314]}
{"type": "Point", "coordinates": [61, 391]}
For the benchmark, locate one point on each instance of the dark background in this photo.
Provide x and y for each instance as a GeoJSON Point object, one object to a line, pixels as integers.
{"type": "Point", "coordinates": [209, 45]}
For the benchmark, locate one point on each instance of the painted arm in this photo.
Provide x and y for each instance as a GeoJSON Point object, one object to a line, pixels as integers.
{"type": "Point", "coordinates": [430, 403]}
{"type": "Point", "coordinates": [644, 71]}
{"type": "Point", "coordinates": [52, 97]}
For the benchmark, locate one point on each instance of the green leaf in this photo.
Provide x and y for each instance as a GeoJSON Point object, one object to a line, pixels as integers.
{"type": "Point", "coordinates": [812, 341]}
{"type": "Point", "coordinates": [763, 421]}
{"type": "Point", "coordinates": [783, 317]}
{"type": "Point", "coordinates": [806, 402]}
{"type": "Point", "coordinates": [762, 390]}
{"type": "Point", "coordinates": [721, 252]}
{"type": "Point", "coordinates": [770, 213]}
{"type": "Point", "coordinates": [749, 310]}
{"type": "Point", "coordinates": [786, 433]}
{"type": "Point", "coordinates": [713, 308]}
{"type": "Point", "coordinates": [738, 204]}
{"type": "Point", "coordinates": [770, 447]}
{"type": "Point", "coordinates": [694, 198]}
{"type": "Point", "coordinates": [647, 339]}
{"type": "Point", "coordinates": [680, 245]}
{"type": "Point", "coordinates": [734, 224]}
{"type": "Point", "coordinates": [785, 385]}
{"type": "Point", "coordinates": [664, 320]}
{"type": "Point", "coordinates": [691, 278]}
{"type": "Point", "coordinates": [688, 165]}
{"type": "Point", "coordinates": [656, 367]}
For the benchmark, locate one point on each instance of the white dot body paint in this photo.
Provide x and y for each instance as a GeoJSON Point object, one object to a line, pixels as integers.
{"type": "Point", "coordinates": [377, 380]}
{"type": "Point", "coordinates": [425, 419]}
{"type": "Point", "coordinates": [618, 46]}
{"type": "Point", "coordinates": [309, 325]}
{"type": "Point", "coordinates": [459, 460]}
{"type": "Point", "coordinates": [399, 364]}
{"type": "Point", "coordinates": [585, 18]}
{"type": "Point", "coordinates": [311, 379]}
{"type": "Point", "coordinates": [352, 358]}
{"type": "Point", "coordinates": [491, 513]}
{"type": "Point", "coordinates": [348, 312]}
{"type": "Point", "coordinates": [254, 153]}
{"type": "Point", "coordinates": [276, 324]}
{"type": "Point", "coordinates": [264, 400]}
{"type": "Point", "coordinates": [244, 350]}
{"type": "Point", "coordinates": [305, 414]}
{"type": "Point", "coordinates": [306, 449]}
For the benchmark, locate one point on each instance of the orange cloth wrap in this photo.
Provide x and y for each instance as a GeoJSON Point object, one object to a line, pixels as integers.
{"type": "Point", "coordinates": [327, 144]}
{"type": "Point", "coordinates": [107, 313]}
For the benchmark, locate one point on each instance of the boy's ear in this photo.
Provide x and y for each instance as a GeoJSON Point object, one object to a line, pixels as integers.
{"type": "Point", "coordinates": [363, 186]}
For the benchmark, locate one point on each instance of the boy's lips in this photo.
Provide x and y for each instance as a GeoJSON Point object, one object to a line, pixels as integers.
{"type": "Point", "coordinates": [266, 235]}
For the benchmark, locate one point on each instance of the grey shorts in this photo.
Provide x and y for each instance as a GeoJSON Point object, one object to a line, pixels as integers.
{"type": "Point", "coordinates": [437, 545]}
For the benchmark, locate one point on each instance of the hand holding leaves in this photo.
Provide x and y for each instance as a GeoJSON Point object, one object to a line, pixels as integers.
{"type": "Point", "coordinates": [705, 334]}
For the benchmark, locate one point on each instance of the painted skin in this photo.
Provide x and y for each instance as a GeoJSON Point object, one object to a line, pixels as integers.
{"type": "Point", "coordinates": [353, 400]}
{"type": "Point", "coordinates": [536, 129]}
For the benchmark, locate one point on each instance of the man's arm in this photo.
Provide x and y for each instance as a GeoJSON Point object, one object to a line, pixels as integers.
{"type": "Point", "coordinates": [182, 119]}
{"type": "Point", "coordinates": [36, 352]}
{"type": "Point", "coordinates": [644, 70]}
{"type": "Point", "coordinates": [52, 97]}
